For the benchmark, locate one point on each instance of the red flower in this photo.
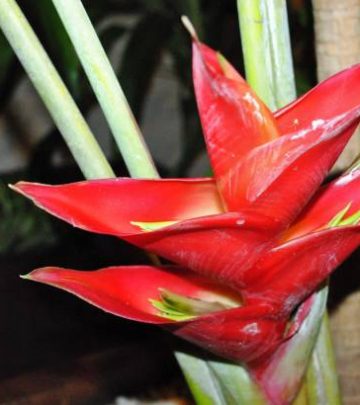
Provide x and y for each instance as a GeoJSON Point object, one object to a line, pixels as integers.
{"type": "Point", "coordinates": [249, 244]}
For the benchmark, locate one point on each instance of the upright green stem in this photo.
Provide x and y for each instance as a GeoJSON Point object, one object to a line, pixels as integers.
{"type": "Point", "coordinates": [107, 88]}
{"type": "Point", "coordinates": [217, 382]}
{"type": "Point", "coordinates": [255, 49]}
{"type": "Point", "coordinates": [53, 92]}
{"type": "Point", "coordinates": [321, 377]}
{"type": "Point", "coordinates": [282, 62]}
{"type": "Point", "coordinates": [267, 53]}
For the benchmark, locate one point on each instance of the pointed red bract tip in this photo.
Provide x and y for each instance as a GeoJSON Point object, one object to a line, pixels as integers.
{"type": "Point", "coordinates": [109, 289]}
{"type": "Point", "coordinates": [322, 102]}
{"type": "Point", "coordinates": [132, 291]}
{"type": "Point", "coordinates": [234, 119]}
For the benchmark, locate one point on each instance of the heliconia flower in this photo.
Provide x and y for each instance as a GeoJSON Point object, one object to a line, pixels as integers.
{"type": "Point", "coordinates": [249, 245]}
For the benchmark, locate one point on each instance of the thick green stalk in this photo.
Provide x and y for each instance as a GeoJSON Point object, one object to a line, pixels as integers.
{"type": "Point", "coordinates": [256, 49]}
{"type": "Point", "coordinates": [217, 382]}
{"type": "Point", "coordinates": [266, 46]}
{"type": "Point", "coordinates": [53, 92]}
{"type": "Point", "coordinates": [321, 379]}
{"type": "Point", "coordinates": [257, 58]}
{"type": "Point", "coordinates": [106, 87]}
{"type": "Point", "coordinates": [282, 63]}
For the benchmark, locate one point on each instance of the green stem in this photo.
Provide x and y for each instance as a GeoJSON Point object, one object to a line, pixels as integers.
{"type": "Point", "coordinates": [53, 92]}
{"type": "Point", "coordinates": [321, 378]}
{"type": "Point", "coordinates": [281, 57]}
{"type": "Point", "coordinates": [107, 88]}
{"type": "Point", "coordinates": [255, 49]}
{"type": "Point", "coordinates": [217, 382]}
{"type": "Point", "coordinates": [302, 396]}
{"type": "Point", "coordinates": [267, 53]}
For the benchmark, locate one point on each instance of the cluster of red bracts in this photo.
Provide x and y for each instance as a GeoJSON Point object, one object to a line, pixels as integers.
{"type": "Point", "coordinates": [252, 243]}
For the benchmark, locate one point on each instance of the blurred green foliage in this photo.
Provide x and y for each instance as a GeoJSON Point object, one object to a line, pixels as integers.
{"type": "Point", "coordinates": [22, 225]}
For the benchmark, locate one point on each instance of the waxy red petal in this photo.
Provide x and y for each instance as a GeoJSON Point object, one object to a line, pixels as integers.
{"type": "Point", "coordinates": [289, 273]}
{"type": "Point", "coordinates": [125, 291]}
{"type": "Point", "coordinates": [233, 118]}
{"type": "Point", "coordinates": [108, 206]}
{"type": "Point", "coordinates": [243, 334]}
{"type": "Point", "coordinates": [327, 202]}
{"type": "Point", "coordinates": [220, 246]}
{"type": "Point", "coordinates": [280, 177]}
{"type": "Point", "coordinates": [334, 96]}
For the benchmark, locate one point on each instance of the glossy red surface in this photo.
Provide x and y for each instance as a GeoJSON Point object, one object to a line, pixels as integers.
{"type": "Point", "coordinates": [252, 229]}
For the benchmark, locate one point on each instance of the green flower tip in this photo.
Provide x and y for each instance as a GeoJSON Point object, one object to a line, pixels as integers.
{"type": "Point", "coordinates": [25, 276]}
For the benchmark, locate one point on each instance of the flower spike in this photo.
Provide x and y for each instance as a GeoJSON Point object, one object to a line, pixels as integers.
{"type": "Point", "coordinates": [251, 246]}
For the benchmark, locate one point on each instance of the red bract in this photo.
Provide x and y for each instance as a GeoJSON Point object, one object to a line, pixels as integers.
{"type": "Point", "coordinates": [245, 258]}
{"type": "Point", "coordinates": [216, 244]}
{"type": "Point", "coordinates": [254, 169]}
